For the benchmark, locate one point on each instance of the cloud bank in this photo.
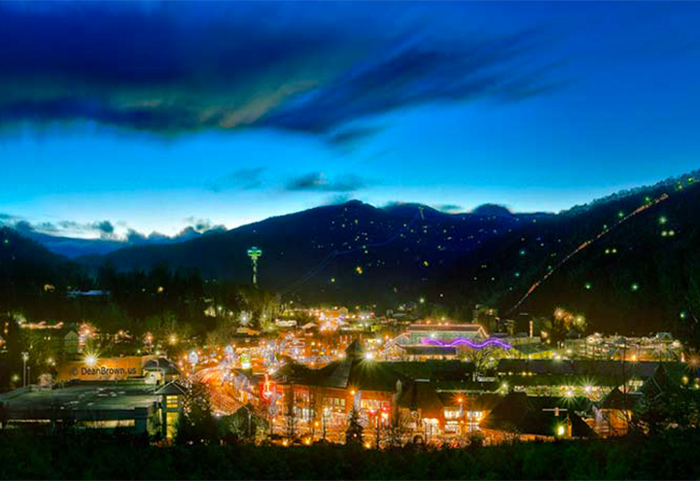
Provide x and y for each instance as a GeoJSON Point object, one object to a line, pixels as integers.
{"type": "Point", "coordinates": [105, 230]}
{"type": "Point", "coordinates": [188, 67]}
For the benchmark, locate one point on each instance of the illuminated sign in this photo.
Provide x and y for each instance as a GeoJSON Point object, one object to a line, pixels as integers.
{"type": "Point", "coordinates": [468, 342]}
{"type": "Point", "coordinates": [108, 368]}
{"type": "Point", "coordinates": [105, 371]}
{"type": "Point", "coordinates": [267, 389]}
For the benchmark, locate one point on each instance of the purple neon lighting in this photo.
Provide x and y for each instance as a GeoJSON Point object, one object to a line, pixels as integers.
{"type": "Point", "coordinates": [463, 340]}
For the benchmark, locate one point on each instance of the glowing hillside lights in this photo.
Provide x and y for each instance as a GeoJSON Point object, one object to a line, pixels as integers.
{"type": "Point", "coordinates": [468, 342]}
{"type": "Point", "coordinates": [561, 430]}
{"type": "Point", "coordinates": [588, 286]}
{"type": "Point", "coordinates": [634, 287]}
{"type": "Point", "coordinates": [662, 220]}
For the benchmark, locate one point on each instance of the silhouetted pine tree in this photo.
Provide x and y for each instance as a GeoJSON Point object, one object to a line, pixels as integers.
{"type": "Point", "coordinates": [353, 435]}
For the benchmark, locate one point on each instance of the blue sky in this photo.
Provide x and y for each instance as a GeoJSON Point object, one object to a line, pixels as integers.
{"type": "Point", "coordinates": [159, 116]}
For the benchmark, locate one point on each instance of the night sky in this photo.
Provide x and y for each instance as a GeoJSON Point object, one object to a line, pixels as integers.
{"type": "Point", "coordinates": [132, 117]}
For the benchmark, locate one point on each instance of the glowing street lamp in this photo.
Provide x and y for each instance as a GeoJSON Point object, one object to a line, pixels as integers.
{"type": "Point", "coordinates": [25, 358]}
{"type": "Point", "coordinates": [91, 360]}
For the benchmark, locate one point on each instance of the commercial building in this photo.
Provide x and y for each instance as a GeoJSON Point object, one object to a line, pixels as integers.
{"type": "Point", "coordinates": [320, 401]}
{"type": "Point", "coordinates": [101, 398]}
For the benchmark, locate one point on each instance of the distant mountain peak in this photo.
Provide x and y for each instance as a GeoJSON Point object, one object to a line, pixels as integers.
{"type": "Point", "coordinates": [491, 210]}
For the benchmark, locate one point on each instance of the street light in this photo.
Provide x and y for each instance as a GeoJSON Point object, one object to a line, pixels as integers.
{"type": "Point", "coordinates": [91, 360]}
{"type": "Point", "coordinates": [25, 358]}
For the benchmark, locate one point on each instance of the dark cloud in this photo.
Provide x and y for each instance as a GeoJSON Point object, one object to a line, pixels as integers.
{"type": "Point", "coordinates": [203, 225]}
{"type": "Point", "coordinates": [351, 136]}
{"type": "Point", "coordinates": [54, 233]}
{"type": "Point", "coordinates": [187, 67]}
{"type": "Point", "coordinates": [418, 71]}
{"type": "Point", "coordinates": [137, 238]}
{"type": "Point", "coordinates": [23, 226]}
{"type": "Point", "coordinates": [105, 228]}
{"type": "Point", "coordinates": [337, 199]}
{"type": "Point", "coordinates": [317, 181]}
{"type": "Point", "coordinates": [134, 237]}
{"type": "Point", "coordinates": [449, 208]}
{"type": "Point", "coordinates": [188, 233]}
{"type": "Point", "coordinates": [241, 179]}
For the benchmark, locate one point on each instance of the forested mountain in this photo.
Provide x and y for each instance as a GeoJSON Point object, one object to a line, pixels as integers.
{"type": "Point", "coordinates": [637, 267]}
{"type": "Point", "coordinates": [30, 274]}
{"type": "Point", "coordinates": [345, 253]}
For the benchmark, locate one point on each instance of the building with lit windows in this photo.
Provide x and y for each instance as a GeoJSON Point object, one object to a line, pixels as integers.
{"type": "Point", "coordinates": [319, 401]}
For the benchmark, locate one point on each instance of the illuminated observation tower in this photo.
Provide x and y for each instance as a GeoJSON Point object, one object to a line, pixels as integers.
{"type": "Point", "coordinates": [254, 253]}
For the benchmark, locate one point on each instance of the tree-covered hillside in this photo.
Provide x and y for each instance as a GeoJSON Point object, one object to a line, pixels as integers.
{"type": "Point", "coordinates": [638, 272]}
{"type": "Point", "coordinates": [348, 253]}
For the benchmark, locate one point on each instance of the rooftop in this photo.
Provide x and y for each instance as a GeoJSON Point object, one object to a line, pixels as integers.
{"type": "Point", "coordinates": [81, 396]}
{"type": "Point", "coordinates": [446, 327]}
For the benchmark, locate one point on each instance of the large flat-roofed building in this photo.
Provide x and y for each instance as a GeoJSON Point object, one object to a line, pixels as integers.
{"type": "Point", "coordinates": [419, 334]}
{"type": "Point", "coordinates": [127, 404]}
{"type": "Point", "coordinates": [135, 405]}
{"type": "Point", "coordinates": [435, 341]}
